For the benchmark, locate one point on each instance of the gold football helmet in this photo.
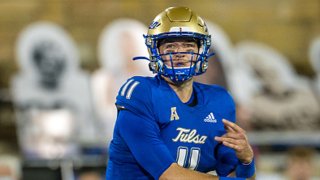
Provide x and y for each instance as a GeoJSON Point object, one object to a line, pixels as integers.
{"type": "Point", "coordinates": [178, 22]}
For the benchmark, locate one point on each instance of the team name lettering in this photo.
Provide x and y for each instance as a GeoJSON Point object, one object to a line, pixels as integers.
{"type": "Point", "coordinates": [189, 136]}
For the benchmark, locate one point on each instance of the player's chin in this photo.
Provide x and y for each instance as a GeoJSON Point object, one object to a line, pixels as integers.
{"type": "Point", "coordinates": [178, 83]}
{"type": "Point", "coordinates": [182, 64]}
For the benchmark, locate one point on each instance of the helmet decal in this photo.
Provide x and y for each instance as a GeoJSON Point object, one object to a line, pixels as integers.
{"type": "Point", "coordinates": [154, 24]}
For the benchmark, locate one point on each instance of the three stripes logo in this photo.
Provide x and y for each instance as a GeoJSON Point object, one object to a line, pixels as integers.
{"type": "Point", "coordinates": [128, 88]}
{"type": "Point", "coordinates": [210, 118]}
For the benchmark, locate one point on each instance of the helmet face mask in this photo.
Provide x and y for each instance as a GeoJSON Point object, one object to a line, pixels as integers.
{"type": "Point", "coordinates": [178, 24]}
{"type": "Point", "coordinates": [178, 52]}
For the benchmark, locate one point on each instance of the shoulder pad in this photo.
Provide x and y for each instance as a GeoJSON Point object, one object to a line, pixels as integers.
{"type": "Point", "coordinates": [134, 88]}
{"type": "Point", "coordinates": [135, 94]}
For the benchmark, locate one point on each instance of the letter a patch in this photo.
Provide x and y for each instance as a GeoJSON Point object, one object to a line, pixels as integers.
{"type": "Point", "coordinates": [174, 114]}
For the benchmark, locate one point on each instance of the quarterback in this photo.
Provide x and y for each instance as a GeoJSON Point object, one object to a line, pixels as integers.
{"type": "Point", "coordinates": [170, 127]}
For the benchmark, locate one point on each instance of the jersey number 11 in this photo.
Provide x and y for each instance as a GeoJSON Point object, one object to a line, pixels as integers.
{"type": "Point", "coordinates": [193, 160]}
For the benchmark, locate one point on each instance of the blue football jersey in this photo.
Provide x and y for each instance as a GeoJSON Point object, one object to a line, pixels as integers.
{"type": "Point", "coordinates": [155, 129]}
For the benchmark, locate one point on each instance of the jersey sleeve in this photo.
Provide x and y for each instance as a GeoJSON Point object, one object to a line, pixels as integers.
{"type": "Point", "coordinates": [135, 95]}
{"type": "Point", "coordinates": [222, 99]}
{"type": "Point", "coordinates": [231, 113]}
{"type": "Point", "coordinates": [139, 129]}
{"type": "Point", "coordinates": [228, 104]}
{"type": "Point", "coordinates": [227, 159]}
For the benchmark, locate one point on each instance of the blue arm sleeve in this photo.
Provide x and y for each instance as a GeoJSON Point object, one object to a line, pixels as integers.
{"type": "Point", "coordinates": [142, 136]}
{"type": "Point", "coordinates": [227, 159]}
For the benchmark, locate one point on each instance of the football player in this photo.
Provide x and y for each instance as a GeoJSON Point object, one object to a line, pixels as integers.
{"type": "Point", "coordinates": [170, 127]}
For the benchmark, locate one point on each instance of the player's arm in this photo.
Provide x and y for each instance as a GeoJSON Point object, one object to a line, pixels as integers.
{"type": "Point", "coordinates": [237, 139]}
{"type": "Point", "coordinates": [177, 172]}
{"type": "Point", "coordinates": [233, 174]}
{"type": "Point", "coordinates": [143, 139]}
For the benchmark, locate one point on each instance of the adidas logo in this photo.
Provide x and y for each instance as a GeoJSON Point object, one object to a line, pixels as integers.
{"type": "Point", "coordinates": [210, 118]}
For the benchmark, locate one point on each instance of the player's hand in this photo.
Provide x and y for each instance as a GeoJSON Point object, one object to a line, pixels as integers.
{"type": "Point", "coordinates": [236, 139]}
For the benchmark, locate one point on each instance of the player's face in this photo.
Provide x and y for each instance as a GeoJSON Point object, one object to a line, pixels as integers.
{"type": "Point", "coordinates": [182, 52]}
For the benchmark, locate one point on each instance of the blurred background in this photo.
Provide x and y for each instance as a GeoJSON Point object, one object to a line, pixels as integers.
{"type": "Point", "coordinates": [62, 62]}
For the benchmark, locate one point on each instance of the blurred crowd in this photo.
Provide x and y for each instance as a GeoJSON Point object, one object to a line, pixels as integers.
{"type": "Point", "coordinates": [65, 113]}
